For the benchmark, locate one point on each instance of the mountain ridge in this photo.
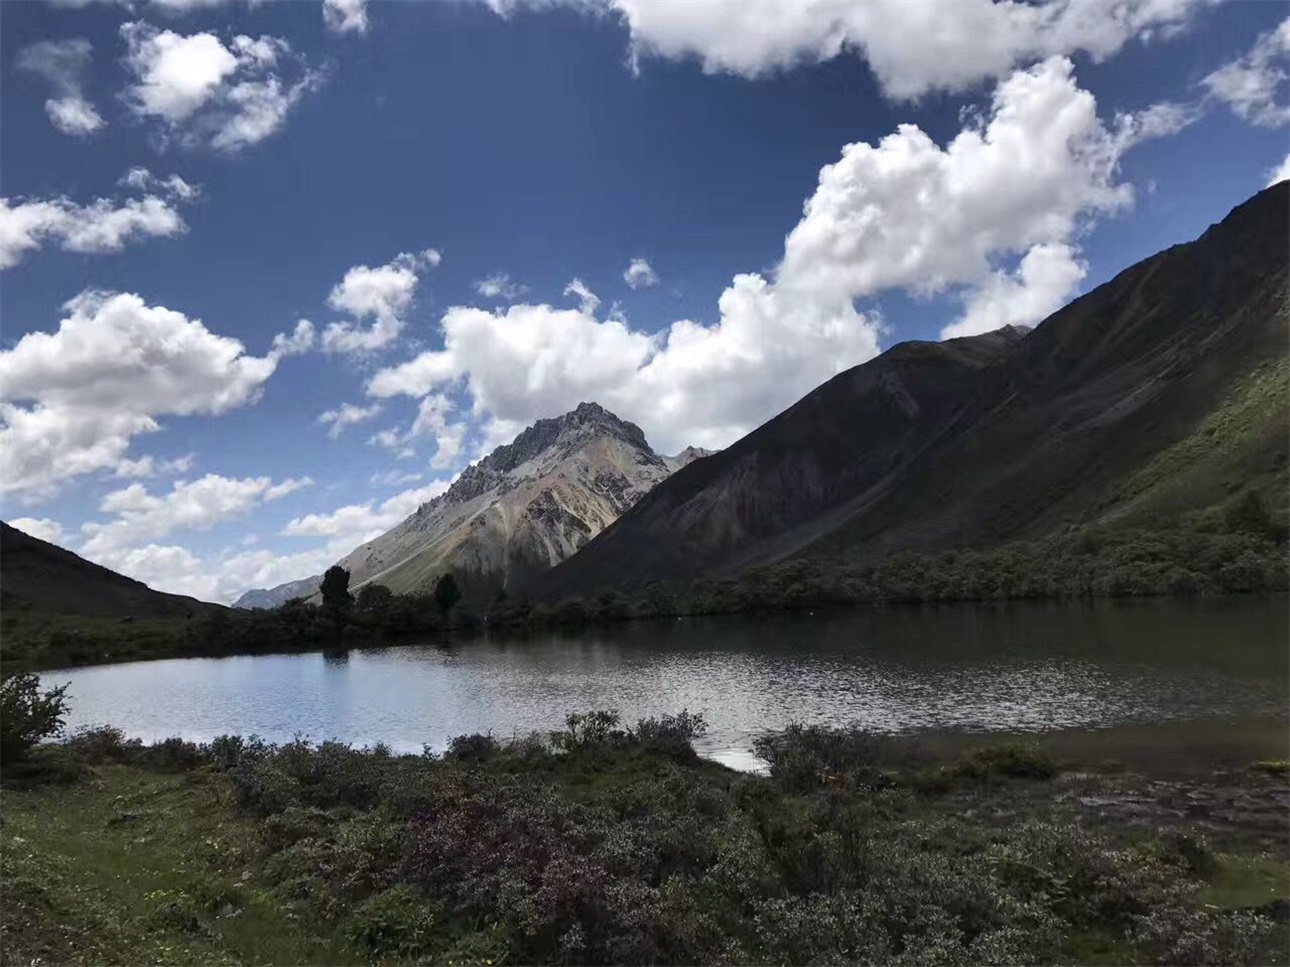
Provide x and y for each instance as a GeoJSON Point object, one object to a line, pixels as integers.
{"type": "Point", "coordinates": [937, 445]}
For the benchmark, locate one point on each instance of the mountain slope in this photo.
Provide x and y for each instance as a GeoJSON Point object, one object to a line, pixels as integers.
{"type": "Point", "coordinates": [995, 437]}
{"type": "Point", "coordinates": [521, 510]}
{"type": "Point", "coordinates": [43, 577]}
{"type": "Point", "coordinates": [272, 597]}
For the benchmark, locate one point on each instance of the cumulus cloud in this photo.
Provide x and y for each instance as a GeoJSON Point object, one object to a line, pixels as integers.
{"type": "Point", "coordinates": [200, 90]}
{"type": "Point", "coordinates": [431, 421]}
{"type": "Point", "coordinates": [63, 64]}
{"type": "Point", "coordinates": [149, 466]}
{"type": "Point", "coordinates": [72, 400]}
{"type": "Point", "coordinates": [100, 227]}
{"type": "Point", "coordinates": [41, 528]}
{"type": "Point", "coordinates": [190, 505]}
{"type": "Point", "coordinates": [914, 47]}
{"type": "Point", "coordinates": [141, 179]}
{"type": "Point", "coordinates": [299, 341]}
{"type": "Point", "coordinates": [588, 301]}
{"type": "Point", "coordinates": [1254, 85]}
{"type": "Point", "coordinates": [219, 577]}
{"type": "Point", "coordinates": [384, 294]}
{"type": "Point", "coordinates": [347, 415]}
{"type": "Point", "coordinates": [226, 575]}
{"type": "Point", "coordinates": [345, 16]}
{"type": "Point", "coordinates": [499, 286]}
{"type": "Point", "coordinates": [904, 213]}
{"type": "Point", "coordinates": [1280, 173]}
{"type": "Point", "coordinates": [640, 274]}
{"type": "Point", "coordinates": [1044, 281]}
{"type": "Point", "coordinates": [356, 524]}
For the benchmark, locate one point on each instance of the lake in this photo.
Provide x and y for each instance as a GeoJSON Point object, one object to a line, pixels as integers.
{"type": "Point", "coordinates": [976, 668]}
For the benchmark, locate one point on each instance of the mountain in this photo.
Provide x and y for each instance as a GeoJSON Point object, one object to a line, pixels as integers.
{"type": "Point", "coordinates": [38, 576]}
{"type": "Point", "coordinates": [524, 508]}
{"type": "Point", "coordinates": [272, 597]}
{"type": "Point", "coordinates": [1159, 393]}
{"type": "Point", "coordinates": [686, 457]}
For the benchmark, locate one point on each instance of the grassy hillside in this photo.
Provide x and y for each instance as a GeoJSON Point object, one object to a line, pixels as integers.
{"type": "Point", "coordinates": [1241, 446]}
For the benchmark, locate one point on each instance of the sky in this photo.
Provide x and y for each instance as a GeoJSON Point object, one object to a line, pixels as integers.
{"type": "Point", "coordinates": [273, 273]}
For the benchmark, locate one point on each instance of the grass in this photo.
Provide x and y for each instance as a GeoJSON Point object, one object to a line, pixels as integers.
{"type": "Point", "coordinates": [1242, 882]}
{"type": "Point", "coordinates": [1240, 444]}
{"type": "Point", "coordinates": [135, 866]}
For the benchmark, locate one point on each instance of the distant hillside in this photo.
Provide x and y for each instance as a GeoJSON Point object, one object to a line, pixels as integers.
{"type": "Point", "coordinates": [38, 576]}
{"type": "Point", "coordinates": [272, 597]}
{"type": "Point", "coordinates": [1159, 394]}
{"type": "Point", "coordinates": [524, 508]}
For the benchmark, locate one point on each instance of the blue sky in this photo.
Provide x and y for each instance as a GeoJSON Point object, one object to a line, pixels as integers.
{"type": "Point", "coordinates": [799, 186]}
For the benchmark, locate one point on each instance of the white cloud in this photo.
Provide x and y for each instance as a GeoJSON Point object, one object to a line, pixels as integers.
{"type": "Point", "coordinates": [300, 341]}
{"type": "Point", "coordinates": [1046, 278]}
{"type": "Point", "coordinates": [395, 478]}
{"type": "Point", "coordinates": [358, 523]}
{"type": "Point", "coordinates": [148, 466]}
{"type": "Point", "coordinates": [1280, 173]}
{"type": "Point", "coordinates": [499, 286]}
{"type": "Point", "coordinates": [345, 16]}
{"type": "Point", "coordinates": [640, 274]}
{"type": "Point", "coordinates": [202, 91]}
{"type": "Point", "coordinates": [102, 226]}
{"type": "Point", "coordinates": [194, 505]}
{"type": "Point", "coordinates": [431, 421]}
{"type": "Point", "coordinates": [225, 576]}
{"type": "Point", "coordinates": [218, 577]}
{"type": "Point", "coordinates": [1155, 121]}
{"type": "Point", "coordinates": [141, 179]}
{"type": "Point", "coordinates": [63, 63]}
{"type": "Point", "coordinates": [588, 301]}
{"type": "Point", "coordinates": [383, 293]}
{"type": "Point", "coordinates": [41, 528]}
{"type": "Point", "coordinates": [70, 401]}
{"type": "Point", "coordinates": [903, 213]}
{"type": "Point", "coordinates": [347, 415]}
{"type": "Point", "coordinates": [1254, 85]}
{"type": "Point", "coordinates": [914, 47]}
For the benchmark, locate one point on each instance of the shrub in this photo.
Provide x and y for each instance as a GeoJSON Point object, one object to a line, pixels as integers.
{"type": "Point", "coordinates": [103, 743]}
{"type": "Point", "coordinates": [397, 923]}
{"type": "Point", "coordinates": [671, 735]}
{"type": "Point", "coordinates": [587, 729]}
{"type": "Point", "coordinates": [472, 748]}
{"type": "Point", "coordinates": [802, 758]}
{"type": "Point", "coordinates": [28, 715]}
{"type": "Point", "coordinates": [1014, 760]}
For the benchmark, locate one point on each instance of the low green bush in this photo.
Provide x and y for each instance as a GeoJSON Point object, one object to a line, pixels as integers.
{"type": "Point", "coordinates": [28, 715]}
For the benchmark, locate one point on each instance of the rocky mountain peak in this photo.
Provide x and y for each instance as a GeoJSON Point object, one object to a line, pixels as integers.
{"type": "Point", "coordinates": [558, 436]}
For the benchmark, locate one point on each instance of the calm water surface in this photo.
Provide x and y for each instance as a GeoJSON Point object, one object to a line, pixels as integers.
{"type": "Point", "coordinates": [1018, 667]}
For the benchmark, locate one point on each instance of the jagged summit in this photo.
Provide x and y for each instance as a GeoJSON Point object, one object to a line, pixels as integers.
{"type": "Point", "coordinates": [554, 438]}
{"type": "Point", "coordinates": [524, 508]}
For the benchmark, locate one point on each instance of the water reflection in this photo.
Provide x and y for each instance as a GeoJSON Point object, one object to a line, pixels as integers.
{"type": "Point", "coordinates": [1019, 667]}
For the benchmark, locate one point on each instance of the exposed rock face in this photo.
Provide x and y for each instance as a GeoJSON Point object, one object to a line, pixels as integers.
{"type": "Point", "coordinates": [686, 457]}
{"type": "Point", "coordinates": [986, 439]}
{"type": "Point", "coordinates": [272, 597]}
{"type": "Point", "coordinates": [521, 510]}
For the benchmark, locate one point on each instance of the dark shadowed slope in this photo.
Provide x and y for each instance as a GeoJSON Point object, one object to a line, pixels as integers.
{"type": "Point", "coordinates": [43, 577]}
{"type": "Point", "coordinates": [986, 439]}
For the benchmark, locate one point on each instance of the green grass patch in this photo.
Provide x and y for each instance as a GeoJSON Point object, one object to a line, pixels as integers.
{"type": "Point", "coordinates": [1242, 882]}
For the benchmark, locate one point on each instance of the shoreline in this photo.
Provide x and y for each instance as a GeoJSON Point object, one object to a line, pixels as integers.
{"type": "Point", "coordinates": [510, 632]}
